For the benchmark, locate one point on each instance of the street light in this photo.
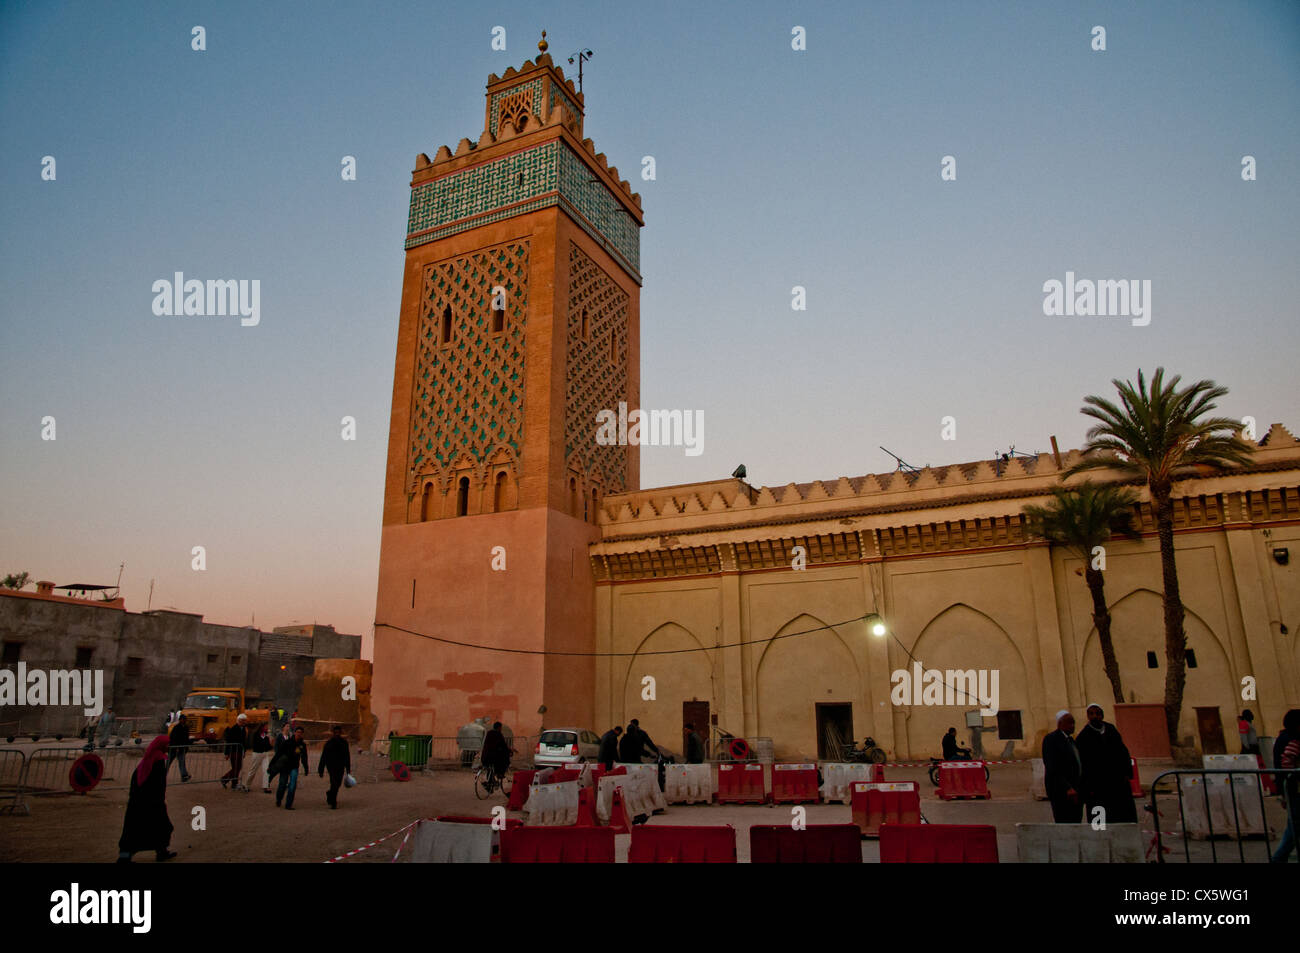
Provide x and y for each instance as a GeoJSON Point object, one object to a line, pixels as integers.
{"type": "Point", "coordinates": [876, 625]}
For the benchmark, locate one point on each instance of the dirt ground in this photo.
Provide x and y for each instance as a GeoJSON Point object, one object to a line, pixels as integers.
{"type": "Point", "coordinates": [247, 828]}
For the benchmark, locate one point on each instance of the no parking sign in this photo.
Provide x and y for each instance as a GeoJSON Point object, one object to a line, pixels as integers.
{"type": "Point", "coordinates": [86, 772]}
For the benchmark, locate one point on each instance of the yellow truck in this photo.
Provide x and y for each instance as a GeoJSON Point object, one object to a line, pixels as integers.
{"type": "Point", "coordinates": [208, 712]}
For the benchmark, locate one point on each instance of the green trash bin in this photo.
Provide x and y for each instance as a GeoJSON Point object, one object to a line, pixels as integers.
{"type": "Point", "coordinates": [412, 750]}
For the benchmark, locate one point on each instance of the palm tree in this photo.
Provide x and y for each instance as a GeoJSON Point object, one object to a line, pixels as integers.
{"type": "Point", "coordinates": [1162, 434]}
{"type": "Point", "coordinates": [1081, 518]}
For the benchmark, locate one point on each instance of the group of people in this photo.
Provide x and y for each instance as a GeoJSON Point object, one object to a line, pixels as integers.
{"type": "Point", "coordinates": [1089, 770]}
{"type": "Point", "coordinates": [147, 826]}
{"type": "Point", "coordinates": [625, 746]}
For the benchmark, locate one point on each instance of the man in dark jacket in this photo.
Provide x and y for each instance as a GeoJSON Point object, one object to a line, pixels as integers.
{"type": "Point", "coordinates": [609, 747]}
{"type": "Point", "coordinates": [496, 750]}
{"type": "Point", "coordinates": [1062, 770]}
{"type": "Point", "coordinates": [634, 743]}
{"type": "Point", "coordinates": [337, 759]}
{"type": "Point", "coordinates": [236, 740]}
{"type": "Point", "coordinates": [1106, 770]}
{"type": "Point", "coordinates": [694, 745]}
{"type": "Point", "coordinates": [951, 750]}
{"type": "Point", "coordinates": [290, 753]}
{"type": "Point", "coordinates": [178, 742]}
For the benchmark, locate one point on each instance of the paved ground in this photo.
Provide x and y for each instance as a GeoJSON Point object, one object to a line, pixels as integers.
{"type": "Point", "coordinates": [249, 828]}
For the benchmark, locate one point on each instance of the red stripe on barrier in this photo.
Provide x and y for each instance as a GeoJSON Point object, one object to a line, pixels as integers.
{"type": "Point", "coordinates": [557, 845]}
{"type": "Point", "coordinates": [815, 844]}
{"type": "Point", "coordinates": [665, 844]}
{"type": "Point", "coordinates": [938, 844]}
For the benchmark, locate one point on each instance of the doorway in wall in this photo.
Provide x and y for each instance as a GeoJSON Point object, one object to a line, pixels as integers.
{"type": "Point", "coordinates": [1209, 725]}
{"type": "Point", "coordinates": [834, 724]}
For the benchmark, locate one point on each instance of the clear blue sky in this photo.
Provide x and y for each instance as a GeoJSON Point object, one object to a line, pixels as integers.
{"type": "Point", "coordinates": [775, 168]}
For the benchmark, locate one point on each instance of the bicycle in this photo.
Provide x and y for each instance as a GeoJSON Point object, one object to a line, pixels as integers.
{"type": "Point", "coordinates": [486, 782]}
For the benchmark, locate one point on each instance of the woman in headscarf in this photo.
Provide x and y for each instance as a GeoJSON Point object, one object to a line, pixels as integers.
{"type": "Point", "coordinates": [146, 825]}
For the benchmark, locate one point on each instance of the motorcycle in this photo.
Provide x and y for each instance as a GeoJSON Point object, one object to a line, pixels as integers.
{"type": "Point", "coordinates": [869, 753]}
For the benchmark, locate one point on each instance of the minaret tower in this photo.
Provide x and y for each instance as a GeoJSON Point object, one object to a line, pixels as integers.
{"type": "Point", "coordinates": [519, 322]}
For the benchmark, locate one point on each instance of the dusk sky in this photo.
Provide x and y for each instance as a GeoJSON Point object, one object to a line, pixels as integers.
{"type": "Point", "coordinates": [775, 168]}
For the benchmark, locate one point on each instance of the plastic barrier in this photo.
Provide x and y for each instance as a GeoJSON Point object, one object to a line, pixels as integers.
{"type": "Point", "coordinates": [619, 822]}
{"type": "Point", "coordinates": [1038, 780]}
{"type": "Point", "coordinates": [560, 775]}
{"type": "Point", "coordinates": [876, 803]}
{"type": "Point", "coordinates": [557, 845]}
{"type": "Point", "coordinates": [1079, 844]}
{"type": "Point", "coordinates": [553, 805]}
{"type": "Point", "coordinates": [815, 844]}
{"type": "Point", "coordinates": [794, 784]}
{"type": "Point", "coordinates": [1208, 800]}
{"type": "Point", "coordinates": [741, 784]}
{"type": "Point", "coordinates": [519, 790]}
{"type": "Point", "coordinates": [938, 844]}
{"type": "Point", "coordinates": [663, 844]}
{"type": "Point", "coordinates": [838, 779]}
{"type": "Point", "coordinates": [1135, 781]}
{"type": "Point", "coordinates": [586, 807]}
{"type": "Point", "coordinates": [688, 783]}
{"type": "Point", "coordinates": [962, 779]}
{"type": "Point", "coordinates": [648, 775]}
{"type": "Point", "coordinates": [443, 842]}
{"type": "Point", "coordinates": [585, 770]}
{"type": "Point", "coordinates": [637, 797]}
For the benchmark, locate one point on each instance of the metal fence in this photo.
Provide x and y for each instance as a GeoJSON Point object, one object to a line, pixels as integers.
{"type": "Point", "coordinates": [47, 771]}
{"type": "Point", "coordinates": [1237, 793]}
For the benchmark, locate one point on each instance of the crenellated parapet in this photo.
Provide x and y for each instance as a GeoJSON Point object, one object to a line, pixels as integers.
{"type": "Point", "coordinates": [959, 507]}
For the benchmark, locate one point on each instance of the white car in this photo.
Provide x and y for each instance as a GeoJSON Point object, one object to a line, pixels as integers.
{"type": "Point", "coordinates": [556, 746]}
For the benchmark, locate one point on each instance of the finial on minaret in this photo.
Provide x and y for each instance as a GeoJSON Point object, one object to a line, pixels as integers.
{"type": "Point", "coordinates": [542, 44]}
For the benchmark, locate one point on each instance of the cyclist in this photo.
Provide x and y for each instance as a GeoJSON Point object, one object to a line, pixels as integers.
{"type": "Point", "coordinates": [496, 751]}
{"type": "Point", "coordinates": [953, 751]}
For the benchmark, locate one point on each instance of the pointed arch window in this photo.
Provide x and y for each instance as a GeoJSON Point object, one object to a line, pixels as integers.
{"type": "Point", "coordinates": [462, 496]}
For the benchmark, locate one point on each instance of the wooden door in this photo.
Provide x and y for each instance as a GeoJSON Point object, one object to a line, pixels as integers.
{"type": "Point", "coordinates": [1209, 725]}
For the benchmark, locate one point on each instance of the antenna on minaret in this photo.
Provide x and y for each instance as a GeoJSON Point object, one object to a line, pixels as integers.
{"type": "Point", "coordinates": [582, 56]}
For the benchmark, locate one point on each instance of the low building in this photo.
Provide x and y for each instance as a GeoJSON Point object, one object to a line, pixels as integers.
{"type": "Point", "coordinates": [151, 660]}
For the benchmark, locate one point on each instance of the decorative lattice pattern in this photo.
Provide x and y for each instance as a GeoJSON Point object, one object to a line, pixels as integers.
{"type": "Point", "coordinates": [469, 393]}
{"type": "Point", "coordinates": [595, 374]}
{"type": "Point", "coordinates": [551, 175]}
{"type": "Point", "coordinates": [515, 109]}
{"type": "Point", "coordinates": [614, 228]}
{"type": "Point", "coordinates": [529, 93]}
{"type": "Point", "coordinates": [479, 189]}
{"type": "Point", "coordinates": [561, 96]}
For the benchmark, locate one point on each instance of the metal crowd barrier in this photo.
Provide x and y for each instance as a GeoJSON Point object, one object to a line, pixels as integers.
{"type": "Point", "coordinates": [45, 771]}
{"type": "Point", "coordinates": [12, 765]}
{"type": "Point", "coordinates": [1280, 775]}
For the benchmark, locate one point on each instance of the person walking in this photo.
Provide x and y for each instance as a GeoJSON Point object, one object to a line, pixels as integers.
{"type": "Point", "coordinates": [694, 745]}
{"type": "Point", "coordinates": [107, 725]}
{"type": "Point", "coordinates": [274, 769]}
{"type": "Point", "coordinates": [1286, 754]}
{"type": "Point", "coordinates": [336, 758]}
{"type": "Point", "coordinates": [1062, 769]}
{"type": "Point", "coordinates": [146, 825]}
{"type": "Point", "coordinates": [290, 754]}
{"type": "Point", "coordinates": [1246, 732]}
{"type": "Point", "coordinates": [608, 753]}
{"type": "Point", "coordinates": [236, 740]}
{"type": "Point", "coordinates": [178, 743]}
{"type": "Point", "coordinates": [1106, 770]}
{"type": "Point", "coordinates": [257, 762]}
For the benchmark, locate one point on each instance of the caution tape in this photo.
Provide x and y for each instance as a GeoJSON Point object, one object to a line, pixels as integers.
{"type": "Point", "coordinates": [404, 840]}
{"type": "Point", "coordinates": [374, 843]}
